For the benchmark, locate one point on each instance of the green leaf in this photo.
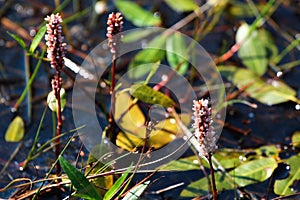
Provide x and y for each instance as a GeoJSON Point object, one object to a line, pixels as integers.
{"type": "Point", "coordinates": [182, 5]}
{"type": "Point", "coordinates": [253, 50]}
{"type": "Point", "coordinates": [80, 182]}
{"type": "Point", "coordinates": [284, 187]}
{"type": "Point", "coordinates": [200, 187]}
{"type": "Point", "coordinates": [177, 60]}
{"type": "Point", "coordinates": [136, 192]}
{"type": "Point", "coordinates": [153, 53]}
{"type": "Point", "coordinates": [102, 183]}
{"type": "Point", "coordinates": [15, 130]}
{"type": "Point", "coordinates": [136, 14]}
{"type": "Point", "coordinates": [37, 39]}
{"type": "Point", "coordinates": [182, 164]}
{"type": "Point", "coordinates": [52, 102]}
{"type": "Point", "coordinates": [267, 40]}
{"type": "Point", "coordinates": [254, 171]}
{"type": "Point", "coordinates": [19, 40]}
{"type": "Point", "coordinates": [296, 139]}
{"type": "Point", "coordinates": [146, 94]}
{"type": "Point", "coordinates": [116, 186]}
{"type": "Point", "coordinates": [269, 93]}
{"type": "Point", "coordinates": [136, 35]}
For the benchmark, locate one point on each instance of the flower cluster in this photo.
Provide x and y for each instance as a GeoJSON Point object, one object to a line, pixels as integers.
{"type": "Point", "coordinates": [55, 47]}
{"type": "Point", "coordinates": [114, 22]}
{"type": "Point", "coordinates": [204, 131]}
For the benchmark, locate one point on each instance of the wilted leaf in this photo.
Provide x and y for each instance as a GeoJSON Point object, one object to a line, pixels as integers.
{"type": "Point", "coordinates": [146, 94]}
{"type": "Point", "coordinates": [136, 14]}
{"type": "Point", "coordinates": [182, 5]}
{"type": "Point", "coordinates": [52, 102]}
{"type": "Point", "coordinates": [271, 93]}
{"type": "Point", "coordinates": [136, 192]}
{"type": "Point", "coordinates": [253, 50]}
{"type": "Point", "coordinates": [37, 39]}
{"type": "Point", "coordinates": [284, 187]}
{"type": "Point", "coordinates": [177, 60]}
{"type": "Point", "coordinates": [128, 115]}
{"type": "Point", "coordinates": [15, 130]}
{"type": "Point", "coordinates": [152, 53]}
{"type": "Point", "coordinates": [80, 182]}
{"type": "Point", "coordinates": [254, 171]}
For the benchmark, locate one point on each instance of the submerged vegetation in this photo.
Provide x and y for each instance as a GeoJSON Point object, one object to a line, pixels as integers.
{"type": "Point", "coordinates": [140, 113]}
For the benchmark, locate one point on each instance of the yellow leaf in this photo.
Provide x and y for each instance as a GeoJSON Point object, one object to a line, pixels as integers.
{"type": "Point", "coordinates": [15, 130]}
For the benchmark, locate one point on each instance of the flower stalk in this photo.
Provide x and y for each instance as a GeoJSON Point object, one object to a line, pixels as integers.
{"type": "Point", "coordinates": [56, 52]}
{"type": "Point", "coordinates": [114, 27]}
{"type": "Point", "coordinates": [204, 131]}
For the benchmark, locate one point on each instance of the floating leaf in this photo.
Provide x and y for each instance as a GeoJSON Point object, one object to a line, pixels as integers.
{"type": "Point", "coordinates": [128, 115]}
{"type": "Point", "coordinates": [253, 50]}
{"type": "Point", "coordinates": [80, 182]}
{"type": "Point", "coordinates": [182, 164]}
{"type": "Point", "coordinates": [229, 158]}
{"type": "Point", "coordinates": [18, 39]}
{"type": "Point", "coordinates": [37, 39]}
{"type": "Point", "coordinates": [15, 130]}
{"type": "Point", "coordinates": [177, 60]}
{"type": "Point", "coordinates": [284, 187]}
{"type": "Point", "coordinates": [117, 186]}
{"type": "Point", "coordinates": [136, 14]}
{"type": "Point", "coordinates": [136, 192]}
{"type": "Point", "coordinates": [52, 102]}
{"type": "Point", "coordinates": [254, 171]}
{"type": "Point", "coordinates": [182, 5]}
{"type": "Point", "coordinates": [269, 93]}
{"type": "Point", "coordinates": [146, 94]}
{"type": "Point", "coordinates": [200, 187]}
{"type": "Point", "coordinates": [267, 40]}
{"type": "Point", "coordinates": [296, 139]}
{"type": "Point", "coordinates": [152, 53]}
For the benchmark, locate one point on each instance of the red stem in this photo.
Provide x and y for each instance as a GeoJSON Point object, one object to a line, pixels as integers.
{"type": "Point", "coordinates": [214, 188]}
{"type": "Point", "coordinates": [59, 121]}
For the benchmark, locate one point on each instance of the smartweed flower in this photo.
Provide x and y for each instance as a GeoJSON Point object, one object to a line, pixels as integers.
{"type": "Point", "coordinates": [54, 40]}
{"type": "Point", "coordinates": [204, 131]}
{"type": "Point", "coordinates": [114, 26]}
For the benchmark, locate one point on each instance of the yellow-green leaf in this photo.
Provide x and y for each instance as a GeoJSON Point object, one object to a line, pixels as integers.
{"type": "Point", "coordinates": [296, 139]}
{"type": "Point", "coordinates": [254, 171]}
{"type": "Point", "coordinates": [269, 93]}
{"type": "Point", "coordinates": [15, 130]}
{"type": "Point", "coordinates": [136, 14]}
{"type": "Point", "coordinates": [182, 5]}
{"type": "Point", "coordinates": [146, 94]}
{"type": "Point", "coordinates": [284, 187]}
{"type": "Point", "coordinates": [177, 60]}
{"type": "Point", "coordinates": [253, 51]}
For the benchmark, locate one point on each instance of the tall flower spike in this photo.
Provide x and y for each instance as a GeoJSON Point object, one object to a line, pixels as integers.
{"type": "Point", "coordinates": [54, 40]}
{"type": "Point", "coordinates": [115, 25]}
{"type": "Point", "coordinates": [204, 130]}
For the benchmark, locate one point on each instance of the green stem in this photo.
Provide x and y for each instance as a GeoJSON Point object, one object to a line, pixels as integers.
{"type": "Point", "coordinates": [289, 48]}
{"type": "Point", "coordinates": [23, 95]}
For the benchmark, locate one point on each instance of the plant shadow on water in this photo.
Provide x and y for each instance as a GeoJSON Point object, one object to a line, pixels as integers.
{"type": "Point", "coordinates": [262, 124]}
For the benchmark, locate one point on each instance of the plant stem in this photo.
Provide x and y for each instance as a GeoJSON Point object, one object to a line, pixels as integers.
{"type": "Point", "coordinates": [214, 188]}
{"type": "Point", "coordinates": [111, 121]}
{"type": "Point", "coordinates": [59, 121]}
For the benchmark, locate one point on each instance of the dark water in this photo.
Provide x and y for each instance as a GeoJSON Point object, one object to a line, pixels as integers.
{"type": "Point", "coordinates": [266, 124]}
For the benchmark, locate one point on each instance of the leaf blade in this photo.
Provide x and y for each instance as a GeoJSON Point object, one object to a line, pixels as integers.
{"type": "Point", "coordinates": [37, 39]}
{"type": "Point", "coordinates": [15, 131]}
{"type": "Point", "coordinates": [136, 14]}
{"type": "Point", "coordinates": [80, 182]}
